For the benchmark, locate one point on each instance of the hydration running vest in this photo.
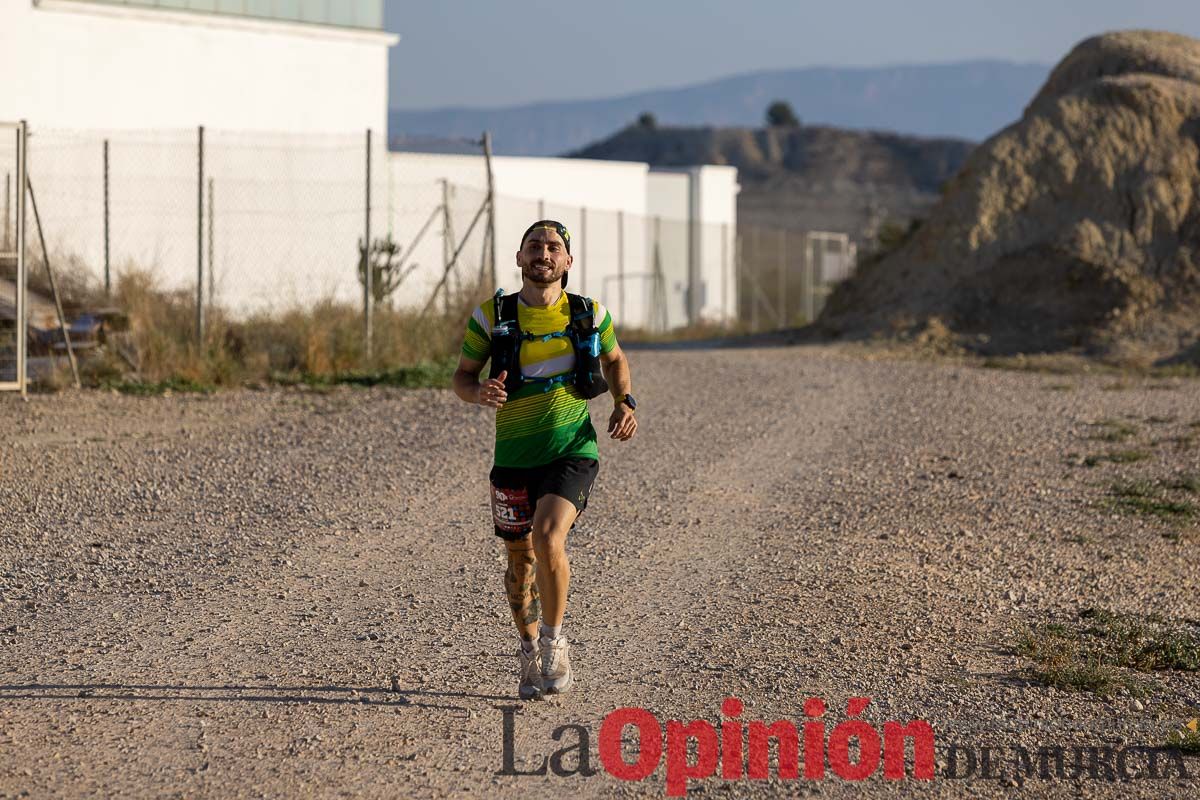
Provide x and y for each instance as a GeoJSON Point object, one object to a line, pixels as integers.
{"type": "Point", "coordinates": [507, 337]}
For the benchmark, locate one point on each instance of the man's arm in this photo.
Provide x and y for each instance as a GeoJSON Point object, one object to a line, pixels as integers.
{"type": "Point", "coordinates": [468, 388]}
{"type": "Point", "coordinates": [616, 372]}
{"type": "Point", "coordinates": [621, 425]}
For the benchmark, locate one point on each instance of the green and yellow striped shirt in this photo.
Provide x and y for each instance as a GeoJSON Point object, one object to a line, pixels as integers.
{"type": "Point", "coordinates": [536, 426]}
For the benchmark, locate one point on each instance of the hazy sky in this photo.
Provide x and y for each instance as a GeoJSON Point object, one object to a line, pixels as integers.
{"type": "Point", "coordinates": [507, 52]}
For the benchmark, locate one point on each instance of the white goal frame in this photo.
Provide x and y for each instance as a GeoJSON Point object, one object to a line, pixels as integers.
{"type": "Point", "coordinates": [19, 130]}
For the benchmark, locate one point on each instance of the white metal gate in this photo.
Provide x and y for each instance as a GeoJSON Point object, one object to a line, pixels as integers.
{"type": "Point", "coordinates": [13, 312]}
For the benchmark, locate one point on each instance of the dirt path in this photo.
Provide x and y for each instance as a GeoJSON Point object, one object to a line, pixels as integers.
{"type": "Point", "coordinates": [210, 596]}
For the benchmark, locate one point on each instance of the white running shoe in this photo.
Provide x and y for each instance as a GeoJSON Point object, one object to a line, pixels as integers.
{"type": "Point", "coordinates": [530, 687]}
{"type": "Point", "coordinates": [556, 666]}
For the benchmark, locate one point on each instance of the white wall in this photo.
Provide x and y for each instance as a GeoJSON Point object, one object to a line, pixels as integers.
{"type": "Point", "coordinates": [668, 194]}
{"type": "Point", "coordinates": [67, 64]}
{"type": "Point", "coordinates": [669, 204]}
{"type": "Point", "coordinates": [289, 207]}
{"type": "Point", "coordinates": [717, 211]}
{"type": "Point", "coordinates": [707, 197]}
{"type": "Point", "coordinates": [609, 247]}
{"type": "Point", "coordinates": [288, 214]}
{"type": "Point", "coordinates": [611, 194]}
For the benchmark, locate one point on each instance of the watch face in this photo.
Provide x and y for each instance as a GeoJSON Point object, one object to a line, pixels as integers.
{"type": "Point", "coordinates": [629, 401]}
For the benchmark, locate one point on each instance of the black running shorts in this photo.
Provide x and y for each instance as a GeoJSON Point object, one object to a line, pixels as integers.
{"type": "Point", "coordinates": [516, 491]}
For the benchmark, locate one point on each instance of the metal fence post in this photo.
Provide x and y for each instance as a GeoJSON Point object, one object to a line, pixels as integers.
{"type": "Point", "coordinates": [583, 240]}
{"type": "Point", "coordinates": [693, 249]}
{"type": "Point", "coordinates": [107, 273]}
{"type": "Point", "coordinates": [58, 306]}
{"type": "Point", "coordinates": [725, 273]}
{"type": "Point", "coordinates": [212, 210]}
{"type": "Point", "coordinates": [783, 303]}
{"type": "Point", "coordinates": [200, 240]}
{"type": "Point", "coordinates": [7, 245]}
{"type": "Point", "coordinates": [621, 264]}
{"type": "Point", "coordinates": [739, 279]}
{"type": "Point", "coordinates": [448, 240]}
{"type": "Point", "coordinates": [491, 206]}
{"type": "Point", "coordinates": [759, 253]}
{"type": "Point", "coordinates": [810, 275]}
{"type": "Point", "coordinates": [368, 276]}
{"type": "Point", "coordinates": [658, 302]}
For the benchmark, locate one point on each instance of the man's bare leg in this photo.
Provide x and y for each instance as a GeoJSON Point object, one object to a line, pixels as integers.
{"type": "Point", "coordinates": [551, 521]}
{"type": "Point", "coordinates": [521, 587]}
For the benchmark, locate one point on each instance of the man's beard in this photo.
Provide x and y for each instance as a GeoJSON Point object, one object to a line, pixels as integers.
{"type": "Point", "coordinates": [533, 273]}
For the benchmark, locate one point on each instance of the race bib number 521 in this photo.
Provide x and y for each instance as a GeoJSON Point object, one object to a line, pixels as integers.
{"type": "Point", "coordinates": [511, 510]}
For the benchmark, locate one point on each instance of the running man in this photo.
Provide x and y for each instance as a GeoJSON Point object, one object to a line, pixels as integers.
{"type": "Point", "coordinates": [547, 351]}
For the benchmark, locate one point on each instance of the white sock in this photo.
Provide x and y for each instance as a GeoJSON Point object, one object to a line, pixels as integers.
{"type": "Point", "coordinates": [550, 632]}
{"type": "Point", "coordinates": [527, 645]}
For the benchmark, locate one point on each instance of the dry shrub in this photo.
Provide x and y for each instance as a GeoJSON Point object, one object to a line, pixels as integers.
{"type": "Point", "coordinates": [323, 340]}
{"type": "Point", "coordinates": [77, 286]}
{"type": "Point", "coordinates": [161, 325]}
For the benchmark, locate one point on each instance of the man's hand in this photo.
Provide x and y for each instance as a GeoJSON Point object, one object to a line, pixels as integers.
{"type": "Point", "coordinates": [622, 425]}
{"type": "Point", "coordinates": [491, 391]}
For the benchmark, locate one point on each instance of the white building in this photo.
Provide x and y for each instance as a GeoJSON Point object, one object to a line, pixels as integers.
{"type": "Point", "coordinates": [270, 65]}
{"type": "Point", "coordinates": [695, 211]}
{"type": "Point", "coordinates": [114, 92]}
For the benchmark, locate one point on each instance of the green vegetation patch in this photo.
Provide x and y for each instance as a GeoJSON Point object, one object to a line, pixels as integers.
{"type": "Point", "coordinates": [1141, 642]}
{"type": "Point", "coordinates": [434, 374]}
{"type": "Point", "coordinates": [1179, 370]}
{"type": "Point", "coordinates": [1046, 365]}
{"type": "Point", "coordinates": [174, 384]}
{"type": "Point", "coordinates": [1185, 739]}
{"type": "Point", "coordinates": [1101, 651]}
{"type": "Point", "coordinates": [1186, 483]}
{"type": "Point", "coordinates": [1152, 499]}
{"type": "Point", "coordinates": [1112, 430]}
{"type": "Point", "coordinates": [1117, 457]}
{"type": "Point", "coordinates": [424, 375]}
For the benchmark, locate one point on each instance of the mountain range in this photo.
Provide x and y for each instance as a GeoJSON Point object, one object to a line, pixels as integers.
{"type": "Point", "coordinates": [965, 100]}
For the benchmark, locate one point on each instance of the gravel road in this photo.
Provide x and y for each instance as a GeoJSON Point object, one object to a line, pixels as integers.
{"type": "Point", "coordinates": [287, 593]}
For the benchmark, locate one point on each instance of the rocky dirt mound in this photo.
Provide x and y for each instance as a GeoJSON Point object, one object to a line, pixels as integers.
{"type": "Point", "coordinates": [1076, 227]}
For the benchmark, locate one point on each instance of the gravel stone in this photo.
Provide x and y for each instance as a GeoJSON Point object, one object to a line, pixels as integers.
{"type": "Point", "coordinates": [193, 588]}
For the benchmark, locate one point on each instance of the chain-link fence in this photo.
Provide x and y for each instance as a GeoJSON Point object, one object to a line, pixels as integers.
{"type": "Point", "coordinates": [643, 268]}
{"type": "Point", "coordinates": [263, 221]}
{"type": "Point", "coordinates": [205, 228]}
{"type": "Point", "coordinates": [218, 226]}
{"type": "Point", "coordinates": [784, 276]}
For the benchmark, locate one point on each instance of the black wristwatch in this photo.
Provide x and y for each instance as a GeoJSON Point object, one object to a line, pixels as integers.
{"type": "Point", "coordinates": [629, 401]}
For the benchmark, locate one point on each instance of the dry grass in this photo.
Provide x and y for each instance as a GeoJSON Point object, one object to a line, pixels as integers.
{"type": "Point", "coordinates": [1185, 739]}
{"type": "Point", "coordinates": [1102, 651]}
{"type": "Point", "coordinates": [1111, 430]}
{"type": "Point", "coordinates": [318, 344]}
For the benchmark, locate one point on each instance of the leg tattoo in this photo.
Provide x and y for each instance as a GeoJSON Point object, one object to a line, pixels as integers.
{"type": "Point", "coordinates": [521, 587]}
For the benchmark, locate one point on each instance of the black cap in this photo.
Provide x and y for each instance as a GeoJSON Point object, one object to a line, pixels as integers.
{"type": "Point", "coordinates": [549, 224]}
{"type": "Point", "coordinates": [557, 227]}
